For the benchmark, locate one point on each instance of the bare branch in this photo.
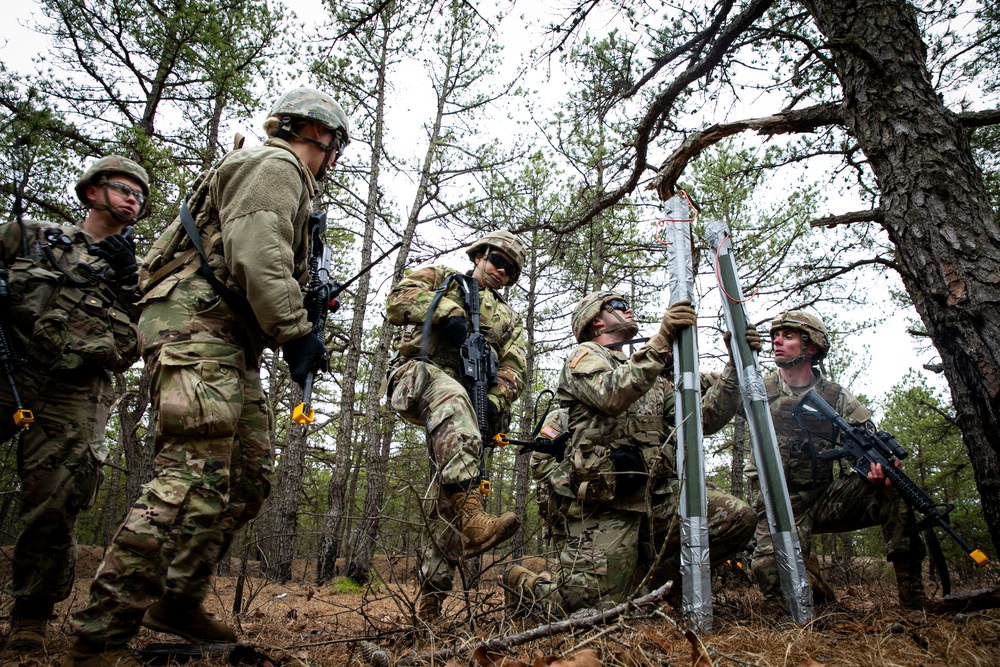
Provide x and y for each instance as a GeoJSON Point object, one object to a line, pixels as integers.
{"type": "Point", "coordinates": [979, 118]}
{"type": "Point", "coordinates": [871, 215]}
{"type": "Point", "coordinates": [803, 120]}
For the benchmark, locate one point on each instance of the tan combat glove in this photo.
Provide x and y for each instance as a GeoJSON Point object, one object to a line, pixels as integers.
{"type": "Point", "coordinates": [753, 340]}
{"type": "Point", "coordinates": [678, 316]}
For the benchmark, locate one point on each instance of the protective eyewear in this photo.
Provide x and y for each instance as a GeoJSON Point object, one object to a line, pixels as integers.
{"type": "Point", "coordinates": [501, 263]}
{"type": "Point", "coordinates": [617, 304]}
{"type": "Point", "coordinates": [126, 191]}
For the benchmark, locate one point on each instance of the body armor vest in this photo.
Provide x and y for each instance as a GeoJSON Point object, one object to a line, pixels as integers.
{"type": "Point", "coordinates": [800, 445]}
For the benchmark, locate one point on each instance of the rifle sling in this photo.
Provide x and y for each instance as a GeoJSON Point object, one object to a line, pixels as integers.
{"type": "Point", "coordinates": [240, 306]}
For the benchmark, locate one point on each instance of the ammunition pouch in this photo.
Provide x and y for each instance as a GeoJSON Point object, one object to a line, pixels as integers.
{"type": "Point", "coordinates": [606, 467]}
{"type": "Point", "coordinates": [72, 328]}
{"type": "Point", "coordinates": [804, 471]}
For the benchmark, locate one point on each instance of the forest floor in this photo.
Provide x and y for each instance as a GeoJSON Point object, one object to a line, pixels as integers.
{"type": "Point", "coordinates": [300, 624]}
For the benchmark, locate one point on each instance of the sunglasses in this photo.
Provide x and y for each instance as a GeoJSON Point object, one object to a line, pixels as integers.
{"type": "Point", "coordinates": [502, 263]}
{"type": "Point", "coordinates": [617, 304]}
{"type": "Point", "coordinates": [126, 191]}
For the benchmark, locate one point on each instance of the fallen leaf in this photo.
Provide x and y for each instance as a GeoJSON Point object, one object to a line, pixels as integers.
{"type": "Point", "coordinates": [485, 657]}
{"type": "Point", "coordinates": [810, 663]}
{"type": "Point", "coordinates": [699, 654]}
{"type": "Point", "coordinates": [585, 658]}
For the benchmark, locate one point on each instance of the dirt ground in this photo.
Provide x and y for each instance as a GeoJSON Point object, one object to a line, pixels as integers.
{"type": "Point", "coordinates": [302, 624]}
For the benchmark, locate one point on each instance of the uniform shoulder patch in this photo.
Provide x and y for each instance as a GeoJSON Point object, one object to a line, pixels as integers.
{"type": "Point", "coordinates": [580, 354]}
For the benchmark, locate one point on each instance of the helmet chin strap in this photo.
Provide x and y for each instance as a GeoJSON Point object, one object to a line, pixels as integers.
{"type": "Point", "coordinates": [788, 364]}
{"type": "Point", "coordinates": [326, 148]}
{"type": "Point", "coordinates": [488, 280]}
{"type": "Point", "coordinates": [117, 214]}
{"type": "Point", "coordinates": [632, 327]}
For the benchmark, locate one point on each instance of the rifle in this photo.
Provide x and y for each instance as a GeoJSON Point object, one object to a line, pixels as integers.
{"type": "Point", "coordinates": [477, 366]}
{"type": "Point", "coordinates": [321, 300]}
{"type": "Point", "coordinates": [865, 446]}
{"type": "Point", "coordinates": [9, 362]}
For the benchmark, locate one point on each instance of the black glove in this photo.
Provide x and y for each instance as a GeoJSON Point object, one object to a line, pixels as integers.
{"type": "Point", "coordinates": [304, 354]}
{"type": "Point", "coordinates": [630, 471]}
{"type": "Point", "coordinates": [454, 330]}
{"type": "Point", "coordinates": [491, 410]}
{"type": "Point", "coordinates": [119, 253]}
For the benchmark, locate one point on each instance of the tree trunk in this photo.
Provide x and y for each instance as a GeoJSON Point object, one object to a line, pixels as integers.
{"type": "Point", "coordinates": [278, 546]}
{"type": "Point", "coordinates": [376, 464]}
{"type": "Point", "coordinates": [935, 209]}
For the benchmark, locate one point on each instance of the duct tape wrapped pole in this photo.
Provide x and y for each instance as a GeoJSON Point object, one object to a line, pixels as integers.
{"type": "Point", "coordinates": [696, 572]}
{"type": "Point", "coordinates": [771, 475]}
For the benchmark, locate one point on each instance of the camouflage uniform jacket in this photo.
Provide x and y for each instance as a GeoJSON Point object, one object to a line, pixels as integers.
{"type": "Point", "coordinates": [252, 209]}
{"type": "Point", "coordinates": [617, 402]}
{"type": "Point", "coordinates": [407, 307]}
{"type": "Point", "coordinates": [803, 471]}
{"type": "Point", "coordinates": [67, 311]}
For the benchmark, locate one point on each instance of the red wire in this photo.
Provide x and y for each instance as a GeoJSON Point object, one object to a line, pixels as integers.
{"type": "Point", "coordinates": [719, 277]}
{"type": "Point", "coordinates": [660, 224]}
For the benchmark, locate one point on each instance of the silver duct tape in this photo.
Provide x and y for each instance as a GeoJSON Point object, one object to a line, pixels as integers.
{"type": "Point", "coordinates": [752, 384]}
{"type": "Point", "coordinates": [716, 232]}
{"type": "Point", "coordinates": [793, 577]}
{"type": "Point", "coordinates": [689, 380]}
{"type": "Point", "coordinates": [696, 589]}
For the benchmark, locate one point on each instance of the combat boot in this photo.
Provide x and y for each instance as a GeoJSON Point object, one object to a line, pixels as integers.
{"type": "Point", "coordinates": [429, 605]}
{"type": "Point", "coordinates": [910, 584]}
{"type": "Point", "coordinates": [189, 620]}
{"type": "Point", "coordinates": [481, 531]}
{"type": "Point", "coordinates": [28, 625]}
{"type": "Point", "coordinates": [83, 654]}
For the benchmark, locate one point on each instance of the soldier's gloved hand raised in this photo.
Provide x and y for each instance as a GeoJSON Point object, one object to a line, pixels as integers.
{"type": "Point", "coordinates": [304, 354]}
{"type": "Point", "coordinates": [678, 316]}
{"type": "Point", "coordinates": [119, 253]}
{"type": "Point", "coordinates": [752, 336]}
{"type": "Point", "coordinates": [454, 330]}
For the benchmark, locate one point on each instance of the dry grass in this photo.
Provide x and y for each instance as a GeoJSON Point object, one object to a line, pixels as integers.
{"type": "Point", "coordinates": [299, 623]}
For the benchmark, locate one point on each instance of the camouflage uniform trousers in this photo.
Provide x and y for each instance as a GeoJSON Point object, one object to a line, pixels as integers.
{"type": "Point", "coordinates": [610, 554]}
{"type": "Point", "coordinates": [440, 544]}
{"type": "Point", "coordinates": [427, 396]}
{"type": "Point", "coordinates": [213, 464]}
{"type": "Point", "coordinates": [59, 464]}
{"type": "Point", "coordinates": [845, 504]}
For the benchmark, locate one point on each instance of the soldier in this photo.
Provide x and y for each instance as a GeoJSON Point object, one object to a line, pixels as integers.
{"type": "Point", "coordinates": [425, 390]}
{"type": "Point", "coordinates": [617, 488]}
{"type": "Point", "coordinates": [821, 501]}
{"type": "Point", "coordinates": [202, 333]}
{"type": "Point", "coordinates": [69, 314]}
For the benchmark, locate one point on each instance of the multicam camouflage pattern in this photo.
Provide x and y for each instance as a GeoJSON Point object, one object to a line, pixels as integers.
{"type": "Point", "coordinates": [213, 464]}
{"type": "Point", "coordinates": [428, 393]}
{"type": "Point", "coordinates": [62, 326]}
{"type": "Point", "coordinates": [611, 554]}
{"type": "Point", "coordinates": [407, 307]}
{"type": "Point", "coordinates": [821, 503]}
{"type": "Point", "coordinates": [69, 392]}
{"type": "Point", "coordinates": [614, 545]}
{"type": "Point", "coordinates": [59, 460]}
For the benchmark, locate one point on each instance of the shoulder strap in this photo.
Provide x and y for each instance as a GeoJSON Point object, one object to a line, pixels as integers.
{"type": "Point", "coordinates": [205, 270]}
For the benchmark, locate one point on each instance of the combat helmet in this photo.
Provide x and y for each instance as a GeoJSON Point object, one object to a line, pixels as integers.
{"type": "Point", "coordinates": [810, 326]}
{"type": "Point", "coordinates": [590, 307]}
{"type": "Point", "coordinates": [504, 241]}
{"type": "Point", "coordinates": [312, 104]}
{"type": "Point", "coordinates": [108, 165]}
